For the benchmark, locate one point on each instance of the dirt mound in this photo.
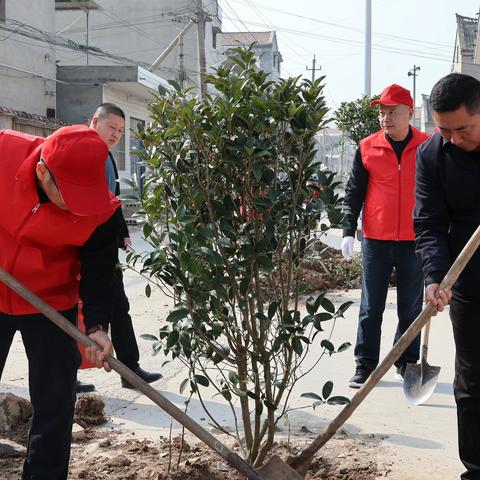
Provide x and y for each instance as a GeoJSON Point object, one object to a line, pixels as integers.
{"type": "Point", "coordinates": [14, 412]}
{"type": "Point", "coordinates": [90, 411]}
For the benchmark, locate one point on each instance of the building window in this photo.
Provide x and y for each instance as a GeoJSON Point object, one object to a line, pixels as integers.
{"type": "Point", "coordinates": [118, 152]}
{"type": "Point", "coordinates": [2, 10]}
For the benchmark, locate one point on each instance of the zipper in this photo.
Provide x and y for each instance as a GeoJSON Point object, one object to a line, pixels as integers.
{"type": "Point", "coordinates": [17, 252]}
{"type": "Point", "coordinates": [399, 199]}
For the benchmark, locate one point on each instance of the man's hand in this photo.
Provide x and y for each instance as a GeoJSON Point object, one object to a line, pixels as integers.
{"type": "Point", "coordinates": [96, 356]}
{"type": "Point", "coordinates": [437, 298]}
{"type": "Point", "coordinates": [127, 242]}
{"type": "Point", "coordinates": [347, 247]}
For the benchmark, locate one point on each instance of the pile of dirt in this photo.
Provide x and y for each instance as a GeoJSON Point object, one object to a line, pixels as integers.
{"type": "Point", "coordinates": [327, 270]}
{"type": "Point", "coordinates": [90, 411]}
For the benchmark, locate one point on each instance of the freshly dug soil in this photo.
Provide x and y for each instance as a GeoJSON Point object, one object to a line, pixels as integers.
{"type": "Point", "coordinates": [109, 456]}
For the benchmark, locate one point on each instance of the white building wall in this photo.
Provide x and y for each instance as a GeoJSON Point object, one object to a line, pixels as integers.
{"type": "Point", "coordinates": [139, 30]}
{"type": "Point", "coordinates": [21, 90]}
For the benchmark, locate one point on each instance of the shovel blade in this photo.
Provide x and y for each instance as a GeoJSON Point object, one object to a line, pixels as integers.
{"type": "Point", "coordinates": [277, 469]}
{"type": "Point", "coordinates": [419, 382]}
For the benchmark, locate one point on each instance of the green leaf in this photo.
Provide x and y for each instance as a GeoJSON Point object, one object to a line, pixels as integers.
{"type": "Point", "coordinates": [338, 400]}
{"type": "Point", "coordinates": [172, 339]}
{"type": "Point", "coordinates": [178, 314]}
{"type": "Point", "coordinates": [148, 290]}
{"type": "Point", "coordinates": [327, 389]}
{"type": "Point", "coordinates": [148, 336]}
{"type": "Point", "coordinates": [269, 405]}
{"type": "Point", "coordinates": [343, 308]}
{"type": "Point", "coordinates": [200, 379]}
{"type": "Point", "coordinates": [239, 392]}
{"type": "Point", "coordinates": [297, 345]}
{"type": "Point", "coordinates": [311, 306]}
{"type": "Point", "coordinates": [344, 346]}
{"type": "Point", "coordinates": [328, 305]}
{"type": "Point", "coordinates": [183, 385]}
{"type": "Point", "coordinates": [257, 169]}
{"type": "Point", "coordinates": [327, 345]}
{"type": "Point", "coordinates": [233, 377]}
{"type": "Point", "coordinates": [262, 317]}
{"type": "Point", "coordinates": [226, 395]}
{"type": "Point", "coordinates": [272, 308]}
{"type": "Point", "coordinates": [147, 230]}
{"type": "Point", "coordinates": [312, 395]}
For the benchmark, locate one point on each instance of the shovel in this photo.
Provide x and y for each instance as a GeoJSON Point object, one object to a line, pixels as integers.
{"type": "Point", "coordinates": [274, 469]}
{"type": "Point", "coordinates": [302, 461]}
{"type": "Point", "coordinates": [420, 378]}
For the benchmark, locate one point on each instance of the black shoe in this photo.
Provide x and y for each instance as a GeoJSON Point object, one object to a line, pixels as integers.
{"type": "Point", "coordinates": [360, 377]}
{"type": "Point", "coordinates": [400, 372]}
{"type": "Point", "coordinates": [149, 377]}
{"type": "Point", "coordinates": [82, 387]}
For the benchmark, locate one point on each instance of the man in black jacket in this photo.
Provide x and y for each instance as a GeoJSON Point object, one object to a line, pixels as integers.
{"type": "Point", "coordinates": [109, 122]}
{"type": "Point", "coordinates": [447, 212]}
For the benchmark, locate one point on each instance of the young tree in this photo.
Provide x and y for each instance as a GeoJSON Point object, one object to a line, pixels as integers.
{"type": "Point", "coordinates": [357, 119]}
{"type": "Point", "coordinates": [232, 186]}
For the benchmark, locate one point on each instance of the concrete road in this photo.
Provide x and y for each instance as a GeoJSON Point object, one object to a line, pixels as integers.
{"type": "Point", "coordinates": [414, 443]}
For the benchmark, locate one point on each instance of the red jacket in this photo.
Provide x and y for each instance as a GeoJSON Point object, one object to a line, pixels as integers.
{"type": "Point", "coordinates": [389, 201]}
{"type": "Point", "coordinates": [39, 243]}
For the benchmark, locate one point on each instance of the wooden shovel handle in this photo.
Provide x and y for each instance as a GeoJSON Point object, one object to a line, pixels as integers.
{"type": "Point", "coordinates": [425, 337]}
{"type": "Point", "coordinates": [302, 461]}
{"type": "Point", "coordinates": [231, 457]}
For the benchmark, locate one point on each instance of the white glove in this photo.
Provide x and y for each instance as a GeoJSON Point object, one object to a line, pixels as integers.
{"type": "Point", "coordinates": [347, 247]}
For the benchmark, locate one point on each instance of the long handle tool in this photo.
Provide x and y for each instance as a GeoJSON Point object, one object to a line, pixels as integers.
{"type": "Point", "coordinates": [274, 469]}
{"type": "Point", "coordinates": [302, 461]}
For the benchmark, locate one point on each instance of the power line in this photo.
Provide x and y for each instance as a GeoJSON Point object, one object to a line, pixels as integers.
{"type": "Point", "coordinates": [337, 25]}
{"type": "Point", "coordinates": [355, 43]}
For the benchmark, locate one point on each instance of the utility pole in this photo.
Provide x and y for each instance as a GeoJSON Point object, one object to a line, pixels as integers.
{"type": "Point", "coordinates": [413, 73]}
{"type": "Point", "coordinates": [313, 69]}
{"type": "Point", "coordinates": [87, 12]}
{"type": "Point", "coordinates": [201, 46]}
{"type": "Point", "coordinates": [368, 48]}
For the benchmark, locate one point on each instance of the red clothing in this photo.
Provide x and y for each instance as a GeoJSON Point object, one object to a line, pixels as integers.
{"type": "Point", "coordinates": [389, 201]}
{"type": "Point", "coordinates": [39, 243]}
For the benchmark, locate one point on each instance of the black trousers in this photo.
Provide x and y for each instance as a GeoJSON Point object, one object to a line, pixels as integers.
{"type": "Point", "coordinates": [123, 335]}
{"type": "Point", "coordinates": [53, 360]}
{"type": "Point", "coordinates": [465, 317]}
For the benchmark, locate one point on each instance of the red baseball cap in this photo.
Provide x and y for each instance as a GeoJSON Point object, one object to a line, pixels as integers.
{"type": "Point", "coordinates": [394, 95]}
{"type": "Point", "coordinates": [76, 157]}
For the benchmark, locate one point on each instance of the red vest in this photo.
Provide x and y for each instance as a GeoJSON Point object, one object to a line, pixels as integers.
{"type": "Point", "coordinates": [38, 242]}
{"type": "Point", "coordinates": [388, 205]}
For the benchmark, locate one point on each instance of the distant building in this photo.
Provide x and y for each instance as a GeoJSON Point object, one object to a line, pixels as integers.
{"type": "Point", "coordinates": [27, 67]}
{"type": "Point", "coordinates": [427, 123]}
{"type": "Point", "coordinates": [269, 58]}
{"type": "Point", "coordinates": [130, 87]}
{"type": "Point", "coordinates": [142, 30]}
{"type": "Point", "coordinates": [466, 57]}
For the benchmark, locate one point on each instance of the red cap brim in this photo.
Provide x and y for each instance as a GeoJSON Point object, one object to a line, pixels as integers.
{"type": "Point", "coordinates": [377, 101]}
{"type": "Point", "coordinates": [85, 200]}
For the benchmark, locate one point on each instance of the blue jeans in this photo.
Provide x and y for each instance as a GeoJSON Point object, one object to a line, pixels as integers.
{"type": "Point", "coordinates": [380, 257]}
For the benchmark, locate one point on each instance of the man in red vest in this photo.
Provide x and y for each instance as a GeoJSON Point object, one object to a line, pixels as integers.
{"type": "Point", "coordinates": [382, 184]}
{"type": "Point", "coordinates": [58, 223]}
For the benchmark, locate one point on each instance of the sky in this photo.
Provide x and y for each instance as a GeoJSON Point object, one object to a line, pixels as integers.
{"type": "Point", "coordinates": [404, 33]}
